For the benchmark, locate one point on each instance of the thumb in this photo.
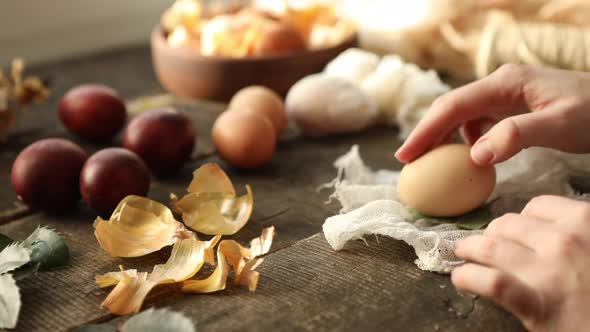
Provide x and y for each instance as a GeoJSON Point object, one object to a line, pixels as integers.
{"type": "Point", "coordinates": [513, 134]}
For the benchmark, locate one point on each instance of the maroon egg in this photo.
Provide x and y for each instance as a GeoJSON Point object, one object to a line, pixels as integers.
{"type": "Point", "coordinates": [46, 174]}
{"type": "Point", "coordinates": [110, 175]}
{"type": "Point", "coordinates": [164, 138]}
{"type": "Point", "coordinates": [93, 111]}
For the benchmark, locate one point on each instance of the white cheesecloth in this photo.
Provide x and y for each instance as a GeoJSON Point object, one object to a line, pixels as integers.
{"type": "Point", "coordinates": [370, 202]}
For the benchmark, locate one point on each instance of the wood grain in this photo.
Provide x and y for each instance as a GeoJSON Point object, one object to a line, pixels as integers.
{"type": "Point", "coordinates": [305, 285]}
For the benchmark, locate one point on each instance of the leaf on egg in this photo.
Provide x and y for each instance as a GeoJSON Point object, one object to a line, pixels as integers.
{"type": "Point", "coordinates": [474, 220]}
{"type": "Point", "coordinates": [211, 206]}
{"type": "Point", "coordinates": [137, 227]}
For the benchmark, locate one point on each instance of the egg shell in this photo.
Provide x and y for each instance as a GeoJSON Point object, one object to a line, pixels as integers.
{"type": "Point", "coordinates": [244, 139]}
{"type": "Point", "coordinates": [263, 101]}
{"type": "Point", "coordinates": [445, 182]}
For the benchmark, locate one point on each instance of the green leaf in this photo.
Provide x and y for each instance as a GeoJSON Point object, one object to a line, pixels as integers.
{"type": "Point", "coordinates": [47, 248]}
{"type": "Point", "coordinates": [151, 320]}
{"type": "Point", "coordinates": [97, 328]}
{"type": "Point", "coordinates": [4, 241]}
{"type": "Point", "coordinates": [160, 320]}
{"type": "Point", "coordinates": [474, 220]}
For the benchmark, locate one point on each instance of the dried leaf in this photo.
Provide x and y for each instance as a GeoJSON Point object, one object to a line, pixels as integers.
{"type": "Point", "coordinates": [137, 227]}
{"type": "Point", "coordinates": [211, 206]}
{"type": "Point", "coordinates": [10, 301]}
{"type": "Point", "coordinates": [186, 259]}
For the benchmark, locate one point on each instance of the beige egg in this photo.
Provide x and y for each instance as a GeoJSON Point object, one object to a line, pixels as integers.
{"type": "Point", "coordinates": [244, 139]}
{"type": "Point", "coordinates": [445, 182]}
{"type": "Point", "coordinates": [264, 101]}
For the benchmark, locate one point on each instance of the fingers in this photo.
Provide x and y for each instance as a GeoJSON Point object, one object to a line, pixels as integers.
{"type": "Point", "coordinates": [555, 208]}
{"type": "Point", "coordinates": [515, 133]}
{"type": "Point", "coordinates": [471, 131]}
{"type": "Point", "coordinates": [496, 252]}
{"type": "Point", "coordinates": [488, 97]}
{"type": "Point", "coordinates": [500, 287]}
{"type": "Point", "coordinates": [524, 230]}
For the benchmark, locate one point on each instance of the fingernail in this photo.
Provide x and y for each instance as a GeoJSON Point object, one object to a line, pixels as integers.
{"type": "Point", "coordinates": [481, 152]}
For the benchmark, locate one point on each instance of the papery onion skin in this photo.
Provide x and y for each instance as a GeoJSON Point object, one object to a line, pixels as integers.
{"type": "Point", "coordinates": [45, 175]}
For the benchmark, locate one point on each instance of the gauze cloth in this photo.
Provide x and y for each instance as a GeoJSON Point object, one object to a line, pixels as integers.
{"type": "Point", "coordinates": [370, 203]}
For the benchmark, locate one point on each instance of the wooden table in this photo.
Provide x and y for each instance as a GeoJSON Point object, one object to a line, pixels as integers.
{"type": "Point", "coordinates": [304, 284]}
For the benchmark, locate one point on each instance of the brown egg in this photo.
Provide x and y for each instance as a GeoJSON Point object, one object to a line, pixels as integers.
{"type": "Point", "coordinates": [445, 182]}
{"type": "Point", "coordinates": [263, 101]}
{"type": "Point", "coordinates": [279, 38]}
{"type": "Point", "coordinates": [244, 139]}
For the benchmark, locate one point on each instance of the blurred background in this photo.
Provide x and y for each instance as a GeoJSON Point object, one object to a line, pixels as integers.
{"type": "Point", "coordinates": [42, 31]}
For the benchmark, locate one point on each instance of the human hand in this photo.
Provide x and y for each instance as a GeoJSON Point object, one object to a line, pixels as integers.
{"type": "Point", "coordinates": [534, 264]}
{"type": "Point", "coordinates": [527, 106]}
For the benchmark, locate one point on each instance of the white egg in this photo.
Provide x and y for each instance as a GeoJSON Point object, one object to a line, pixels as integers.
{"type": "Point", "coordinates": [323, 105]}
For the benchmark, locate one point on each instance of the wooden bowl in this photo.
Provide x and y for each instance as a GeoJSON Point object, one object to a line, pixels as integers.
{"type": "Point", "coordinates": [184, 72]}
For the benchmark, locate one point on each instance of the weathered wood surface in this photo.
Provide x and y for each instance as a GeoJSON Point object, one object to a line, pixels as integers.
{"type": "Point", "coordinates": [304, 284]}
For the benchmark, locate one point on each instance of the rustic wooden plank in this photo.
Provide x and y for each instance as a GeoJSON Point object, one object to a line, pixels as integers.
{"type": "Point", "coordinates": [375, 287]}
{"type": "Point", "coordinates": [310, 287]}
{"type": "Point", "coordinates": [285, 196]}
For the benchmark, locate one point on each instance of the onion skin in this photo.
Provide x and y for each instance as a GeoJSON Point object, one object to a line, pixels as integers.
{"type": "Point", "coordinates": [92, 111]}
{"type": "Point", "coordinates": [46, 175]}
{"type": "Point", "coordinates": [163, 138]}
{"type": "Point", "coordinates": [110, 175]}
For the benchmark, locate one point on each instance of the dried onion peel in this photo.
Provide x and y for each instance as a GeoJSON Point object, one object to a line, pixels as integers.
{"type": "Point", "coordinates": [243, 260]}
{"type": "Point", "coordinates": [187, 258]}
{"type": "Point", "coordinates": [211, 206]}
{"type": "Point", "coordinates": [137, 227]}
